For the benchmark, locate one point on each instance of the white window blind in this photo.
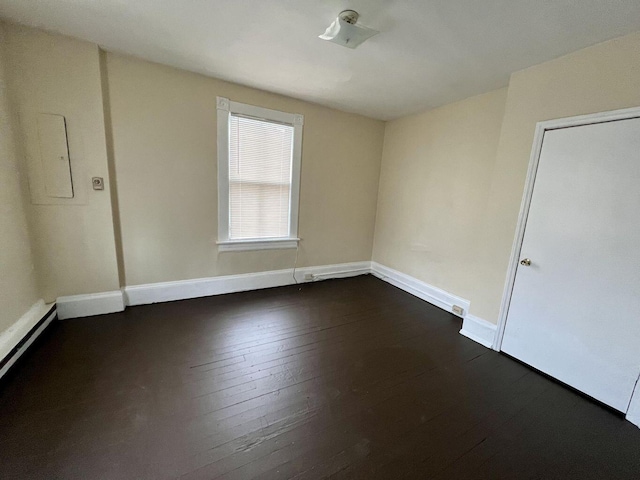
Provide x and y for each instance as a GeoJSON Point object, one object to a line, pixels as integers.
{"type": "Point", "coordinates": [260, 165]}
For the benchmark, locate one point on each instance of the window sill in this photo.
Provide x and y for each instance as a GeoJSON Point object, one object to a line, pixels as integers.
{"type": "Point", "coordinates": [259, 244]}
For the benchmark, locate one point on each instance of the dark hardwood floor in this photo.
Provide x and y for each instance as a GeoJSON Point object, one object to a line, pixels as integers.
{"type": "Point", "coordinates": [345, 378]}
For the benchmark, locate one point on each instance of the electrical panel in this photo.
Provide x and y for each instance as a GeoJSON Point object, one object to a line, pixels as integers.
{"type": "Point", "coordinates": [54, 155]}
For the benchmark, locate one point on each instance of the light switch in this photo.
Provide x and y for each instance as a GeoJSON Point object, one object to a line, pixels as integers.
{"type": "Point", "coordinates": [54, 155]}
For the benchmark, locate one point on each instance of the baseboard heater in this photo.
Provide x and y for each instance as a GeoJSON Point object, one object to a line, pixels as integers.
{"type": "Point", "coordinates": [23, 345]}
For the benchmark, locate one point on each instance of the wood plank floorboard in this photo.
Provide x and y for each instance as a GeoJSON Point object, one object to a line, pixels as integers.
{"type": "Point", "coordinates": [344, 379]}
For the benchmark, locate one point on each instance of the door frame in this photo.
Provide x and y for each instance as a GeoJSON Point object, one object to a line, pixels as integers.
{"type": "Point", "coordinates": [541, 129]}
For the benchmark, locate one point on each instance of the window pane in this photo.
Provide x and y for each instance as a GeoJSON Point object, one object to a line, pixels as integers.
{"type": "Point", "coordinates": [260, 160]}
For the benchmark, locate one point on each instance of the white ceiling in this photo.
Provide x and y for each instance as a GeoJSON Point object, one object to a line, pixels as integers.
{"type": "Point", "coordinates": [429, 52]}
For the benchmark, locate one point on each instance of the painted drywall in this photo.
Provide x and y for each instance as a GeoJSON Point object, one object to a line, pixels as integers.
{"type": "Point", "coordinates": [73, 239]}
{"type": "Point", "coordinates": [164, 144]}
{"type": "Point", "coordinates": [18, 280]}
{"type": "Point", "coordinates": [448, 207]}
{"type": "Point", "coordinates": [434, 187]}
{"type": "Point", "coordinates": [599, 78]}
{"type": "Point", "coordinates": [441, 190]}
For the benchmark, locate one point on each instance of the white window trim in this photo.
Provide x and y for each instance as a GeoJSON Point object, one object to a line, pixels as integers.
{"type": "Point", "coordinates": [258, 244]}
{"type": "Point", "coordinates": [225, 109]}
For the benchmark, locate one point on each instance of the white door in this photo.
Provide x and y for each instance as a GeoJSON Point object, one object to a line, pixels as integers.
{"type": "Point", "coordinates": [575, 310]}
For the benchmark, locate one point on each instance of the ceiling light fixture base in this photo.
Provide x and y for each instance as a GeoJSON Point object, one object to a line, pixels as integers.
{"type": "Point", "coordinates": [349, 16]}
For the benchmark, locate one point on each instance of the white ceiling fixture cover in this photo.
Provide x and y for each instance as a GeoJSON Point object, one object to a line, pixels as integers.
{"type": "Point", "coordinates": [345, 32]}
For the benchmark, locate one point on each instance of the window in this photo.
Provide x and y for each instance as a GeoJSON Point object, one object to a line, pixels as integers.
{"type": "Point", "coordinates": [258, 177]}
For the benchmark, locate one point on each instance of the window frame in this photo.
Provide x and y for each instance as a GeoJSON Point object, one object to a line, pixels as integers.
{"type": "Point", "coordinates": [226, 108]}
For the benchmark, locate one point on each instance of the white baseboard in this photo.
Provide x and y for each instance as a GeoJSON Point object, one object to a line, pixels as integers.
{"type": "Point", "coordinates": [474, 328]}
{"type": "Point", "coordinates": [109, 302]}
{"type": "Point", "coordinates": [420, 289]}
{"type": "Point", "coordinates": [340, 270]}
{"type": "Point", "coordinates": [205, 287]}
{"type": "Point", "coordinates": [479, 330]}
{"type": "Point", "coordinates": [75, 306]}
{"type": "Point", "coordinates": [19, 331]}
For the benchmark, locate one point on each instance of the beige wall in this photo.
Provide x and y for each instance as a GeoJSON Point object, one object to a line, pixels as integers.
{"type": "Point", "coordinates": [73, 239]}
{"type": "Point", "coordinates": [600, 78]}
{"type": "Point", "coordinates": [448, 203]}
{"type": "Point", "coordinates": [18, 285]}
{"type": "Point", "coordinates": [447, 206]}
{"type": "Point", "coordinates": [164, 139]}
{"type": "Point", "coordinates": [434, 187]}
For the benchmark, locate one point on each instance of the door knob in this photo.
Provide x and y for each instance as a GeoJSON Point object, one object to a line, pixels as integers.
{"type": "Point", "coordinates": [526, 262]}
